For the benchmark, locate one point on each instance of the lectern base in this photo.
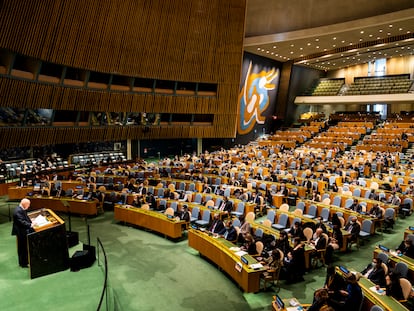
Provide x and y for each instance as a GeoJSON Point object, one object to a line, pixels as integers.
{"type": "Point", "coordinates": [83, 259]}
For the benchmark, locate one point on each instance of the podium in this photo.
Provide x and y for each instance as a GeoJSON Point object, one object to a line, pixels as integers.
{"type": "Point", "coordinates": [47, 246]}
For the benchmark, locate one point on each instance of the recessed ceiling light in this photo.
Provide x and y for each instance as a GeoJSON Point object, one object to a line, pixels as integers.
{"type": "Point", "coordinates": [390, 25]}
{"type": "Point", "coordinates": [343, 41]}
{"type": "Point", "coordinates": [400, 29]}
{"type": "Point", "coordinates": [317, 39]}
{"type": "Point", "coordinates": [267, 52]}
{"type": "Point", "coordinates": [292, 45]}
{"type": "Point", "coordinates": [380, 30]}
{"type": "Point", "coordinates": [333, 45]}
{"type": "Point", "coordinates": [360, 39]}
{"type": "Point", "coordinates": [258, 49]}
{"type": "Point", "coordinates": [291, 52]}
{"type": "Point", "coordinates": [324, 50]}
{"type": "Point", "coordinates": [274, 46]}
{"type": "Point", "coordinates": [370, 35]}
{"type": "Point", "coordinates": [317, 46]}
{"type": "Point", "coordinates": [389, 33]}
{"type": "Point", "coordinates": [272, 53]}
{"type": "Point", "coordinates": [378, 38]}
{"type": "Point", "coordinates": [309, 43]}
{"type": "Point", "coordinates": [262, 50]}
{"type": "Point", "coordinates": [361, 31]}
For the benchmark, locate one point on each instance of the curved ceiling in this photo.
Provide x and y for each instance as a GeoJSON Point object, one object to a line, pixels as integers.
{"type": "Point", "coordinates": [337, 45]}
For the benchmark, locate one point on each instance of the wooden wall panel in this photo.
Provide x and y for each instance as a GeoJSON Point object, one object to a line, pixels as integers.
{"type": "Point", "coordinates": [178, 40]}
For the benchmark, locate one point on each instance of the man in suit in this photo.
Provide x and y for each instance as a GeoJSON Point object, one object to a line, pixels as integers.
{"type": "Point", "coordinates": [230, 232]}
{"type": "Point", "coordinates": [353, 228]}
{"type": "Point", "coordinates": [22, 225]}
{"type": "Point", "coordinates": [226, 206]}
{"type": "Point", "coordinates": [217, 225]}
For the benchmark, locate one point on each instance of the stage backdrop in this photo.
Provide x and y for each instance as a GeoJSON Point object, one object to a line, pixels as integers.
{"type": "Point", "coordinates": [257, 97]}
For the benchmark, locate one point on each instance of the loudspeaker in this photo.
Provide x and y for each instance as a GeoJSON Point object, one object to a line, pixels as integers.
{"type": "Point", "coordinates": [83, 259]}
{"type": "Point", "coordinates": [73, 238]}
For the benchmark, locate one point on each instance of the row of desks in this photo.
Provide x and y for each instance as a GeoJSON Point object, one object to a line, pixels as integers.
{"type": "Point", "coordinates": [149, 219]}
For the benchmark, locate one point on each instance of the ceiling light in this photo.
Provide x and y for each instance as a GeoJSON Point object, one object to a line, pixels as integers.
{"type": "Point", "coordinates": [317, 39]}
{"type": "Point", "coordinates": [360, 39]}
{"type": "Point", "coordinates": [274, 46]}
{"type": "Point", "coordinates": [258, 49]}
{"type": "Point", "coordinates": [380, 30]}
{"type": "Point", "coordinates": [309, 43]}
{"type": "Point", "coordinates": [370, 35]}
{"type": "Point", "coordinates": [267, 52]}
{"type": "Point", "coordinates": [292, 45]}
{"type": "Point", "coordinates": [317, 46]}
{"type": "Point", "coordinates": [378, 38]}
{"type": "Point", "coordinates": [334, 38]}
{"type": "Point", "coordinates": [400, 29]}
{"type": "Point", "coordinates": [291, 52]}
{"type": "Point", "coordinates": [390, 25]}
{"type": "Point", "coordinates": [361, 31]}
{"type": "Point", "coordinates": [389, 33]}
{"type": "Point", "coordinates": [301, 49]}
{"type": "Point", "coordinates": [333, 45]}
{"type": "Point", "coordinates": [343, 41]}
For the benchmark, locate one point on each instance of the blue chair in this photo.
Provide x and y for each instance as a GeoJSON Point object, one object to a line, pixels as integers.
{"type": "Point", "coordinates": [282, 222]}
{"type": "Point", "coordinates": [160, 192]}
{"type": "Point", "coordinates": [205, 220]}
{"type": "Point", "coordinates": [198, 198]}
{"type": "Point", "coordinates": [349, 202]}
{"type": "Point", "coordinates": [325, 214]}
{"type": "Point", "coordinates": [236, 223]}
{"type": "Point", "coordinates": [311, 212]}
{"type": "Point", "coordinates": [174, 205]}
{"type": "Point", "coordinates": [258, 233]}
{"type": "Point", "coordinates": [337, 201]}
{"type": "Point", "coordinates": [301, 205]}
{"type": "Point", "coordinates": [191, 187]}
{"type": "Point", "coordinates": [271, 216]}
{"type": "Point", "coordinates": [401, 268]}
{"type": "Point", "coordinates": [194, 214]}
{"type": "Point", "coordinates": [366, 227]}
{"type": "Point", "coordinates": [239, 211]}
{"type": "Point", "coordinates": [357, 192]}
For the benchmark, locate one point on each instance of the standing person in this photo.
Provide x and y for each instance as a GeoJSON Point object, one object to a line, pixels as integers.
{"type": "Point", "coordinates": [22, 225]}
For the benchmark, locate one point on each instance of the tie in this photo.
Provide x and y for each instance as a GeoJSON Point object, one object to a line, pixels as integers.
{"type": "Point", "coordinates": [226, 234]}
{"type": "Point", "coordinates": [222, 206]}
{"type": "Point", "coordinates": [214, 226]}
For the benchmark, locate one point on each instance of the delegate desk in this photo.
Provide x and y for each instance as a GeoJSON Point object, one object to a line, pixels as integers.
{"type": "Point", "coordinates": [394, 258]}
{"type": "Point", "coordinates": [18, 193]}
{"type": "Point", "coordinates": [218, 250]}
{"type": "Point", "coordinates": [47, 246]}
{"type": "Point", "coordinates": [371, 297]}
{"type": "Point", "coordinates": [74, 206]}
{"type": "Point", "coordinates": [149, 219]}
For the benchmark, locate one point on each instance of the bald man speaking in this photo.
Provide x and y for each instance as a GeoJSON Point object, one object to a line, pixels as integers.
{"type": "Point", "coordinates": [22, 225]}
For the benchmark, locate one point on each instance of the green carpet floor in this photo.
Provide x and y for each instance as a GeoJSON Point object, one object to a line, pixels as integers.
{"type": "Point", "coordinates": [149, 272]}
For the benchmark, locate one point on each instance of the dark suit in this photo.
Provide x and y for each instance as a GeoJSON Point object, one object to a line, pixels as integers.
{"type": "Point", "coordinates": [230, 234]}
{"type": "Point", "coordinates": [226, 206]}
{"type": "Point", "coordinates": [354, 229]}
{"type": "Point", "coordinates": [22, 225]}
{"type": "Point", "coordinates": [217, 227]}
{"type": "Point", "coordinates": [376, 276]}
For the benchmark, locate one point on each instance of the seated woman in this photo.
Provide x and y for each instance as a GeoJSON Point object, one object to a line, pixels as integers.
{"type": "Point", "coordinates": [335, 242]}
{"type": "Point", "coordinates": [249, 245]}
{"type": "Point", "coordinates": [393, 287]}
{"type": "Point", "coordinates": [406, 248]}
{"type": "Point", "coordinates": [294, 262]}
{"type": "Point", "coordinates": [375, 272]}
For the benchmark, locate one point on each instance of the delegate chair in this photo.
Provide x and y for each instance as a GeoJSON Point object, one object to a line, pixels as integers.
{"type": "Point", "coordinates": [271, 216]}
{"type": "Point", "coordinates": [236, 222]}
{"type": "Point", "coordinates": [366, 227]}
{"type": "Point", "coordinates": [311, 212]}
{"type": "Point", "coordinates": [267, 223]}
{"type": "Point", "coordinates": [250, 217]}
{"type": "Point", "coordinates": [259, 233]}
{"type": "Point", "coordinates": [337, 201]}
{"type": "Point", "coordinates": [198, 198]}
{"type": "Point", "coordinates": [325, 214]}
{"type": "Point", "coordinates": [239, 211]}
{"type": "Point", "coordinates": [406, 288]}
{"type": "Point", "coordinates": [205, 220]}
{"type": "Point", "coordinates": [282, 222]}
{"type": "Point", "coordinates": [300, 205]}
{"type": "Point", "coordinates": [284, 207]}
{"type": "Point", "coordinates": [401, 268]}
{"type": "Point", "coordinates": [194, 214]}
{"type": "Point", "coordinates": [308, 233]}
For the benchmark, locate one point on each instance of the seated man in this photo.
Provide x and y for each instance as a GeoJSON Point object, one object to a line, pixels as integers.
{"type": "Point", "coordinates": [353, 228]}
{"type": "Point", "coordinates": [226, 206]}
{"type": "Point", "coordinates": [230, 232]}
{"type": "Point", "coordinates": [375, 211]}
{"type": "Point", "coordinates": [356, 206]}
{"type": "Point", "coordinates": [217, 226]}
